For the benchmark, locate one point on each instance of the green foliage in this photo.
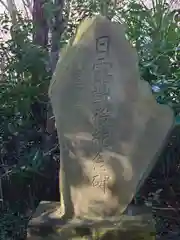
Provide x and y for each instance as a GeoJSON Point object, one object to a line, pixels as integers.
{"type": "Point", "coordinates": [155, 34]}
{"type": "Point", "coordinates": [24, 80]}
{"type": "Point", "coordinates": [22, 59]}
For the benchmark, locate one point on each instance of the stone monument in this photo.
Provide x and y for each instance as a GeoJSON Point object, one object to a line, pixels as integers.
{"type": "Point", "coordinates": [109, 125]}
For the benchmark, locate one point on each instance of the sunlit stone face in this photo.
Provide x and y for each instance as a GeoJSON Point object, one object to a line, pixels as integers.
{"type": "Point", "coordinates": [109, 124]}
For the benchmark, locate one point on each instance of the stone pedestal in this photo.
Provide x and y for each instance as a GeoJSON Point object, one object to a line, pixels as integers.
{"type": "Point", "coordinates": [136, 223]}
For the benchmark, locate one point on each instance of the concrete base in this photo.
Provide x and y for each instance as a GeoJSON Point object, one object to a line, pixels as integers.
{"type": "Point", "coordinates": [137, 223]}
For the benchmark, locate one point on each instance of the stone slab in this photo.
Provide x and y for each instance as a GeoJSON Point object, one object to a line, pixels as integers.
{"type": "Point", "coordinates": [137, 221]}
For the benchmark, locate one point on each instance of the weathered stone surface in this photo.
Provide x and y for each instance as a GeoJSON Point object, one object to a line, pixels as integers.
{"type": "Point", "coordinates": [138, 223]}
{"type": "Point", "coordinates": [109, 125]}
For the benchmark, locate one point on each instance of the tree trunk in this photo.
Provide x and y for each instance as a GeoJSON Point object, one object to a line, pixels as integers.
{"type": "Point", "coordinates": [41, 28]}
{"type": "Point", "coordinates": [41, 38]}
{"type": "Point", "coordinates": [57, 29]}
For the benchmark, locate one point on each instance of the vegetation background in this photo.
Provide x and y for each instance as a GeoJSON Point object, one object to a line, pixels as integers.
{"type": "Point", "coordinates": [30, 44]}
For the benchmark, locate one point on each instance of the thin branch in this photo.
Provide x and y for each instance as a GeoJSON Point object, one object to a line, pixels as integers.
{"type": "Point", "coordinates": [12, 10]}
{"type": "Point", "coordinates": [6, 7]}
{"type": "Point", "coordinates": [28, 7]}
